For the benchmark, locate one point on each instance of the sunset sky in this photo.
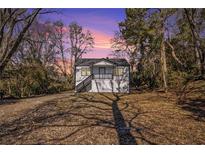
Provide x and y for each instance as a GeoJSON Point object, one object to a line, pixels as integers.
{"type": "Point", "coordinates": [101, 22]}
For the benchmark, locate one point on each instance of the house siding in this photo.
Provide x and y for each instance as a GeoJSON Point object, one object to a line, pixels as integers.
{"type": "Point", "coordinates": [117, 84]}
{"type": "Point", "coordinates": [78, 77]}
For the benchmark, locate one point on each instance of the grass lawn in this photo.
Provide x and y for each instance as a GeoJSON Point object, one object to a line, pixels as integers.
{"type": "Point", "coordinates": [94, 118]}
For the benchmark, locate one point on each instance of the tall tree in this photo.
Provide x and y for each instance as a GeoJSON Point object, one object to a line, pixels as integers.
{"type": "Point", "coordinates": [123, 50]}
{"type": "Point", "coordinates": [34, 59]}
{"type": "Point", "coordinates": [146, 30]}
{"type": "Point", "coordinates": [80, 42]}
{"type": "Point", "coordinates": [60, 42]}
{"type": "Point", "coordinates": [163, 15]}
{"type": "Point", "coordinates": [196, 22]}
{"type": "Point", "coordinates": [14, 23]}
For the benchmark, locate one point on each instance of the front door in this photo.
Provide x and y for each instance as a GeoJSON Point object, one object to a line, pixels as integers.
{"type": "Point", "coordinates": [101, 72]}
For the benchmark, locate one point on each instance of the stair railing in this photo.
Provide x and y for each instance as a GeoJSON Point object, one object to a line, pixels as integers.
{"type": "Point", "coordinates": [84, 83]}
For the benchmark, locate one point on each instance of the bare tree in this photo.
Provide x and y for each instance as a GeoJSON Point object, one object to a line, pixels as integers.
{"type": "Point", "coordinates": [35, 58]}
{"type": "Point", "coordinates": [40, 43]}
{"type": "Point", "coordinates": [60, 45]}
{"type": "Point", "coordinates": [80, 42]}
{"type": "Point", "coordinates": [14, 23]}
{"type": "Point", "coordinates": [122, 49]}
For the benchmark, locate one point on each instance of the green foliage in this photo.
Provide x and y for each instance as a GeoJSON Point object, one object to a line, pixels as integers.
{"type": "Point", "coordinates": [19, 86]}
{"type": "Point", "coordinates": [176, 79]}
{"type": "Point", "coordinates": [164, 44]}
{"type": "Point", "coordinates": [40, 64]}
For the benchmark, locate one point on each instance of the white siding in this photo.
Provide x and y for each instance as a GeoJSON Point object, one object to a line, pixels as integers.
{"type": "Point", "coordinates": [117, 84]}
{"type": "Point", "coordinates": [78, 76]}
{"type": "Point", "coordinates": [103, 63]}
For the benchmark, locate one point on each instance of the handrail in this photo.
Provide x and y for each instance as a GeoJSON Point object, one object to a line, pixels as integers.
{"type": "Point", "coordinates": [87, 80]}
{"type": "Point", "coordinates": [84, 83]}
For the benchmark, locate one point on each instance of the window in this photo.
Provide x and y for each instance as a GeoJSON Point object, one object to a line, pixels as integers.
{"type": "Point", "coordinates": [85, 71]}
{"type": "Point", "coordinates": [118, 71]}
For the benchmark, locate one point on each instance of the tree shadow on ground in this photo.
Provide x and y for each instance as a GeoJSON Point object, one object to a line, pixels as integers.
{"type": "Point", "coordinates": [45, 115]}
{"type": "Point", "coordinates": [123, 131]}
{"type": "Point", "coordinates": [106, 114]}
{"type": "Point", "coordinates": [196, 107]}
{"type": "Point", "coordinates": [8, 100]}
{"type": "Point", "coordinates": [124, 126]}
{"type": "Point", "coordinates": [191, 98]}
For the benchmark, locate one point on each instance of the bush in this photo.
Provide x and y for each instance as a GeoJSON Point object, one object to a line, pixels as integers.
{"type": "Point", "coordinates": [176, 79]}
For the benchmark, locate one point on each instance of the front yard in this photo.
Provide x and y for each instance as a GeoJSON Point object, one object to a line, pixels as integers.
{"type": "Point", "coordinates": [91, 118]}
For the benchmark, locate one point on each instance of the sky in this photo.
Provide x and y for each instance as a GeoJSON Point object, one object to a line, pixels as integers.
{"type": "Point", "coordinates": [101, 22]}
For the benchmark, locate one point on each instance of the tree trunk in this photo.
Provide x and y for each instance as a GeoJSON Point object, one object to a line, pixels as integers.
{"type": "Point", "coordinates": [173, 54]}
{"type": "Point", "coordinates": [200, 60]}
{"type": "Point", "coordinates": [163, 54]}
{"type": "Point", "coordinates": [9, 53]}
{"type": "Point", "coordinates": [163, 65]}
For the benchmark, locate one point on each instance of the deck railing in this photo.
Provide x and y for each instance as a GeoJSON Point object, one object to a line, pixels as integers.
{"type": "Point", "coordinates": [102, 76]}
{"type": "Point", "coordinates": [88, 80]}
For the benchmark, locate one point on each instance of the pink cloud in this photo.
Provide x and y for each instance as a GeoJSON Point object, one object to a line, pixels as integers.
{"type": "Point", "coordinates": [102, 47]}
{"type": "Point", "coordinates": [102, 40]}
{"type": "Point", "coordinates": [98, 53]}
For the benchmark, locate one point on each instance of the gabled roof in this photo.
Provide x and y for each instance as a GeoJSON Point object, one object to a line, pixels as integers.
{"type": "Point", "coordinates": [92, 61]}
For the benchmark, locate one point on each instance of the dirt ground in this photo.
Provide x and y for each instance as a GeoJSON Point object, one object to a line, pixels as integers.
{"type": "Point", "coordinates": [103, 118]}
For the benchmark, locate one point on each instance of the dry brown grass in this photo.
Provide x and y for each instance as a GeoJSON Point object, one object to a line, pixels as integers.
{"type": "Point", "coordinates": [91, 118]}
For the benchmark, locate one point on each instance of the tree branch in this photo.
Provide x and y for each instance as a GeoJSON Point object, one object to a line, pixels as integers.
{"type": "Point", "coordinates": [173, 53]}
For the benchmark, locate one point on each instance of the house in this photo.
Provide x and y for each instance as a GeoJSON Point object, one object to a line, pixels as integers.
{"type": "Point", "coordinates": [102, 75]}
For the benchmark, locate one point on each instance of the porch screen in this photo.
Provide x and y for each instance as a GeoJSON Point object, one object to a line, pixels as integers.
{"type": "Point", "coordinates": [118, 71]}
{"type": "Point", "coordinates": [85, 71]}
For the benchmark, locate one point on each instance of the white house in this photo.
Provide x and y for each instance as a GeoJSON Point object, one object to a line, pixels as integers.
{"type": "Point", "coordinates": [102, 75]}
